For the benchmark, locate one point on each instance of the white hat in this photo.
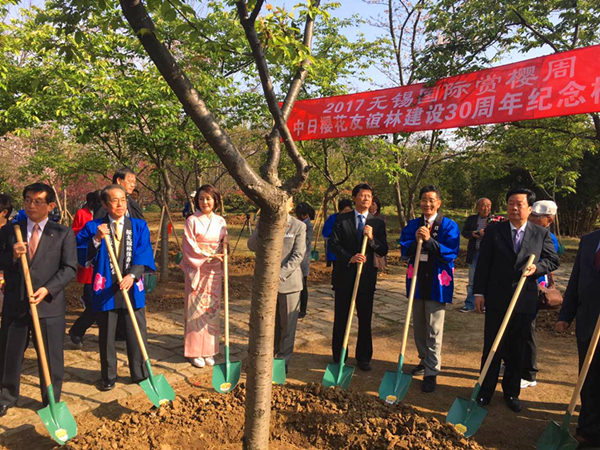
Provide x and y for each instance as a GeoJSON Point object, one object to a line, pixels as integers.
{"type": "Point", "coordinates": [544, 208]}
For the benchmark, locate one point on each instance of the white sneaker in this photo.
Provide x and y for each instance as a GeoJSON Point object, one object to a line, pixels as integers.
{"type": "Point", "coordinates": [197, 362]}
{"type": "Point", "coordinates": [527, 383]}
{"type": "Point", "coordinates": [209, 360]}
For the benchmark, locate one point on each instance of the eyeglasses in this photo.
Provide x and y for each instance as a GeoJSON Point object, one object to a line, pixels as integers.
{"type": "Point", "coordinates": [36, 202]}
{"type": "Point", "coordinates": [117, 201]}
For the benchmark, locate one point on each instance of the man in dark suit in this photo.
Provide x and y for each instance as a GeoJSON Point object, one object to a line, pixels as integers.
{"type": "Point", "coordinates": [124, 177]}
{"type": "Point", "coordinates": [52, 255]}
{"type": "Point", "coordinates": [581, 301]}
{"type": "Point", "coordinates": [504, 250]}
{"type": "Point", "coordinates": [474, 230]}
{"type": "Point", "coordinates": [346, 241]}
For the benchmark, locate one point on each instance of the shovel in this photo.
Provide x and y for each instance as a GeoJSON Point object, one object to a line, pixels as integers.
{"type": "Point", "coordinates": [394, 386]}
{"type": "Point", "coordinates": [314, 254]}
{"type": "Point", "coordinates": [557, 437]}
{"type": "Point", "coordinates": [179, 255]}
{"type": "Point", "coordinates": [339, 374]}
{"type": "Point", "coordinates": [150, 279]}
{"type": "Point", "coordinates": [57, 418]}
{"type": "Point", "coordinates": [466, 415]}
{"type": "Point", "coordinates": [156, 387]}
{"type": "Point", "coordinates": [226, 376]}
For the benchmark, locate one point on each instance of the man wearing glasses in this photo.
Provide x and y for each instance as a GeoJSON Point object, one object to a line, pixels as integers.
{"type": "Point", "coordinates": [130, 238]}
{"type": "Point", "coordinates": [52, 255]}
{"type": "Point", "coordinates": [126, 178]}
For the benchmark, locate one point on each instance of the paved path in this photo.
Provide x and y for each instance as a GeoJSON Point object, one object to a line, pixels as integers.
{"type": "Point", "coordinates": [165, 332]}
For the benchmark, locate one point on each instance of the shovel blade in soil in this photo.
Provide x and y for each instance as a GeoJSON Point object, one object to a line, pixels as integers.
{"type": "Point", "coordinates": [278, 371]}
{"type": "Point", "coordinates": [394, 386]}
{"type": "Point", "coordinates": [59, 422]}
{"type": "Point", "coordinates": [333, 377]}
{"type": "Point", "coordinates": [150, 282]}
{"type": "Point", "coordinates": [224, 380]}
{"type": "Point", "coordinates": [314, 255]}
{"type": "Point", "coordinates": [158, 390]}
{"type": "Point", "coordinates": [466, 416]}
{"type": "Point", "coordinates": [556, 437]}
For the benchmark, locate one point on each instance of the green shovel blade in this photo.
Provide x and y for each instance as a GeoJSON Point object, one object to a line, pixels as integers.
{"type": "Point", "coordinates": [333, 377]}
{"type": "Point", "coordinates": [158, 390]}
{"type": "Point", "coordinates": [555, 437]}
{"type": "Point", "coordinates": [278, 371]}
{"type": "Point", "coordinates": [178, 257]}
{"type": "Point", "coordinates": [150, 282]}
{"type": "Point", "coordinates": [59, 422]}
{"type": "Point", "coordinates": [224, 380]}
{"type": "Point", "coordinates": [314, 255]}
{"type": "Point", "coordinates": [394, 386]}
{"type": "Point", "coordinates": [466, 416]}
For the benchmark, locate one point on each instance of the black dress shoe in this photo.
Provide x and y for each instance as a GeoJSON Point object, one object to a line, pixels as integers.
{"type": "Point", "coordinates": [419, 370]}
{"type": "Point", "coordinates": [513, 403]}
{"type": "Point", "coordinates": [3, 410]}
{"type": "Point", "coordinates": [481, 401]}
{"type": "Point", "coordinates": [364, 366]}
{"type": "Point", "coordinates": [76, 340]}
{"type": "Point", "coordinates": [108, 385]}
{"type": "Point", "coordinates": [301, 314]}
{"type": "Point", "coordinates": [429, 384]}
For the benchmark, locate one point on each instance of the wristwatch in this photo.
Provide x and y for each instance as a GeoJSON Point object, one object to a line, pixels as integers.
{"type": "Point", "coordinates": [132, 276]}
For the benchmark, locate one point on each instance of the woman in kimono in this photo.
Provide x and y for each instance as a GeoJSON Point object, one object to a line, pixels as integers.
{"type": "Point", "coordinates": [435, 280]}
{"type": "Point", "coordinates": [203, 271]}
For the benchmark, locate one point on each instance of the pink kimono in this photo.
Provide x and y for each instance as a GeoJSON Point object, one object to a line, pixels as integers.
{"type": "Point", "coordinates": [203, 274]}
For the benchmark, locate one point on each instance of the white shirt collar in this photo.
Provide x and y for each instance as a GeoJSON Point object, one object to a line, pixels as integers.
{"type": "Point", "coordinates": [512, 227]}
{"type": "Point", "coordinates": [356, 214]}
{"type": "Point", "coordinates": [431, 219]}
{"type": "Point", "coordinates": [119, 222]}
{"type": "Point", "coordinates": [31, 223]}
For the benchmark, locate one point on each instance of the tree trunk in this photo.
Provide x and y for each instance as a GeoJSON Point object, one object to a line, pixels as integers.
{"type": "Point", "coordinates": [164, 249]}
{"type": "Point", "coordinates": [399, 205]}
{"type": "Point", "coordinates": [262, 314]}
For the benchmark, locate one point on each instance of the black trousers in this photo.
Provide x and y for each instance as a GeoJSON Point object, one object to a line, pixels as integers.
{"type": "Point", "coordinates": [589, 416]}
{"type": "Point", "coordinates": [304, 295]}
{"type": "Point", "coordinates": [14, 339]}
{"type": "Point", "coordinates": [511, 350]}
{"type": "Point", "coordinates": [87, 317]}
{"type": "Point", "coordinates": [107, 324]}
{"type": "Point", "coordinates": [364, 312]}
{"type": "Point", "coordinates": [530, 368]}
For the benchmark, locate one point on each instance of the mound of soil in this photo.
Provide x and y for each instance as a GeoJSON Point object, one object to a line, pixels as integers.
{"type": "Point", "coordinates": [304, 417]}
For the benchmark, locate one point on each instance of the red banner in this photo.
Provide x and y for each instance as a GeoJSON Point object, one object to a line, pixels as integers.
{"type": "Point", "coordinates": [556, 85]}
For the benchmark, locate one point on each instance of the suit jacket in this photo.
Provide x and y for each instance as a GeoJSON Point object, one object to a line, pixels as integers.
{"type": "Point", "coordinates": [499, 268]}
{"type": "Point", "coordinates": [582, 297]}
{"type": "Point", "coordinates": [53, 267]}
{"type": "Point", "coordinates": [294, 248]}
{"type": "Point", "coordinates": [305, 266]}
{"type": "Point", "coordinates": [467, 232]}
{"type": "Point", "coordinates": [135, 211]}
{"type": "Point", "coordinates": [345, 244]}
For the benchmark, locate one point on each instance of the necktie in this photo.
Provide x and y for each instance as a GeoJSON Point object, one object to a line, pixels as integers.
{"type": "Point", "coordinates": [361, 227]}
{"type": "Point", "coordinates": [117, 237]}
{"type": "Point", "coordinates": [34, 241]}
{"type": "Point", "coordinates": [517, 240]}
{"type": "Point", "coordinates": [597, 260]}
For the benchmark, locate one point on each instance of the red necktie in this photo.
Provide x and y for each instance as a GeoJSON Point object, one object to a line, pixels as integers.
{"type": "Point", "coordinates": [597, 260]}
{"type": "Point", "coordinates": [34, 241]}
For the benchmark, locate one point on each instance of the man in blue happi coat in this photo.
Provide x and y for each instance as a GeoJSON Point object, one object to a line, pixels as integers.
{"type": "Point", "coordinates": [435, 280]}
{"type": "Point", "coordinates": [131, 244]}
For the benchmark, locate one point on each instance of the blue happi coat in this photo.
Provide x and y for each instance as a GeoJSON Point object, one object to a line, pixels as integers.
{"type": "Point", "coordinates": [441, 250]}
{"type": "Point", "coordinates": [137, 250]}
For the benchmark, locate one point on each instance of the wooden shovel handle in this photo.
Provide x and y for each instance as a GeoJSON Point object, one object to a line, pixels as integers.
{"type": "Point", "coordinates": [507, 316]}
{"type": "Point", "coordinates": [411, 295]}
{"type": "Point", "coordinates": [363, 250]}
{"type": "Point", "coordinates": [162, 215]}
{"type": "Point", "coordinates": [173, 227]}
{"type": "Point", "coordinates": [136, 327]}
{"type": "Point", "coordinates": [585, 367]}
{"type": "Point", "coordinates": [34, 314]}
{"type": "Point", "coordinates": [226, 286]}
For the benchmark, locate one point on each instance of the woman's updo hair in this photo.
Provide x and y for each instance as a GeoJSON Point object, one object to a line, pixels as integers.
{"type": "Point", "coordinates": [210, 190]}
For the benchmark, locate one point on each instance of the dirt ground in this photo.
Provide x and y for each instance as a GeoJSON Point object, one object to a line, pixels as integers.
{"type": "Point", "coordinates": [307, 416]}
